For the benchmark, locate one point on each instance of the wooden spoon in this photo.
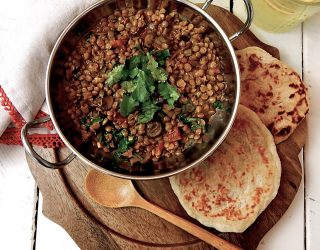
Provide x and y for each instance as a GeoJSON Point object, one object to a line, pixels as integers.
{"type": "Point", "coordinates": [114, 192]}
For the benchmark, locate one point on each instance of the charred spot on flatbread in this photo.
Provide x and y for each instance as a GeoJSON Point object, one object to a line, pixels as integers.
{"type": "Point", "coordinates": [236, 183]}
{"type": "Point", "coordinates": [273, 90]}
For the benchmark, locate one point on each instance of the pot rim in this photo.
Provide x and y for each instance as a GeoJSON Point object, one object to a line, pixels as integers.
{"type": "Point", "coordinates": [162, 175]}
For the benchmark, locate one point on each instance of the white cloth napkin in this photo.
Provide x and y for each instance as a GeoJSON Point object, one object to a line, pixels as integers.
{"type": "Point", "coordinates": [28, 32]}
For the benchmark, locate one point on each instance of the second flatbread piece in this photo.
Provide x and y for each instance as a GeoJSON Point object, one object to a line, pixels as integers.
{"type": "Point", "coordinates": [273, 90]}
{"type": "Point", "coordinates": [236, 183]}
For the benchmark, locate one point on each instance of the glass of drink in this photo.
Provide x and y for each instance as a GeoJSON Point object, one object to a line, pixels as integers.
{"type": "Point", "coordinates": [283, 15]}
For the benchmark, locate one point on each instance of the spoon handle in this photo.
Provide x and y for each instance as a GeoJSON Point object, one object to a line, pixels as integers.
{"type": "Point", "coordinates": [187, 226]}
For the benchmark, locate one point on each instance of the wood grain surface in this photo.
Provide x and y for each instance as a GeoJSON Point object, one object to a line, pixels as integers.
{"type": "Point", "coordinates": [95, 227]}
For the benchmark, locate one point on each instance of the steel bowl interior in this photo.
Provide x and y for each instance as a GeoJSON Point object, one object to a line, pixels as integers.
{"type": "Point", "coordinates": [56, 97]}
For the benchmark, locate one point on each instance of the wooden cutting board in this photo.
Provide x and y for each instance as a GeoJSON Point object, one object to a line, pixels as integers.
{"type": "Point", "coordinates": [95, 227]}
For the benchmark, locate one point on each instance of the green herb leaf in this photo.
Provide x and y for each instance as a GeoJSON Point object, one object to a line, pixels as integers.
{"type": "Point", "coordinates": [127, 105]}
{"type": "Point", "coordinates": [117, 73]}
{"type": "Point", "coordinates": [151, 63]}
{"type": "Point", "coordinates": [193, 122]}
{"type": "Point", "coordinates": [169, 93]}
{"type": "Point", "coordinates": [218, 105]}
{"type": "Point", "coordinates": [149, 81]}
{"type": "Point", "coordinates": [148, 111]}
{"type": "Point", "coordinates": [195, 126]}
{"type": "Point", "coordinates": [133, 72]}
{"type": "Point", "coordinates": [183, 118]}
{"type": "Point", "coordinates": [128, 86]}
{"type": "Point", "coordinates": [161, 56]}
{"type": "Point", "coordinates": [140, 93]}
{"type": "Point", "coordinates": [158, 74]}
{"type": "Point", "coordinates": [161, 62]}
{"type": "Point", "coordinates": [83, 120]}
{"type": "Point", "coordinates": [124, 145]}
{"type": "Point", "coordinates": [117, 135]}
{"type": "Point", "coordinates": [96, 119]}
{"type": "Point", "coordinates": [137, 61]}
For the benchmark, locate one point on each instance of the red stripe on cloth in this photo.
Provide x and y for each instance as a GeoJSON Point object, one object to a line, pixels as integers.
{"type": "Point", "coordinates": [12, 135]}
{"type": "Point", "coordinates": [49, 124]}
{"type": "Point", "coordinates": [16, 118]}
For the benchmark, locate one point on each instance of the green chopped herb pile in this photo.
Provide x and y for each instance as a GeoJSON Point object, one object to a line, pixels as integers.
{"type": "Point", "coordinates": [143, 78]}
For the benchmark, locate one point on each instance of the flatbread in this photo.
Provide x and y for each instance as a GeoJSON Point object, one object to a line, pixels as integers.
{"type": "Point", "coordinates": [273, 90]}
{"type": "Point", "coordinates": [236, 183]}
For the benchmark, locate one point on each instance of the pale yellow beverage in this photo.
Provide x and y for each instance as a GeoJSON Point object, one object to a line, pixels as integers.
{"type": "Point", "coordinates": [283, 15]}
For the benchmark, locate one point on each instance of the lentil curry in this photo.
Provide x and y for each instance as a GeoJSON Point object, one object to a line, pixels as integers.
{"type": "Point", "coordinates": [146, 85]}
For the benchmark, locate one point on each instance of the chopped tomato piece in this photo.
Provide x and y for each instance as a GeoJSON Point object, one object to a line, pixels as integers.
{"type": "Point", "coordinates": [174, 135]}
{"type": "Point", "coordinates": [217, 70]}
{"type": "Point", "coordinates": [118, 43]}
{"type": "Point", "coordinates": [161, 146]}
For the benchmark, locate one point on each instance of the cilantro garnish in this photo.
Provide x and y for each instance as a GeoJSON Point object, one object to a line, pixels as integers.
{"type": "Point", "coordinates": [97, 119]}
{"type": "Point", "coordinates": [150, 82]}
{"type": "Point", "coordinates": [158, 74]}
{"type": "Point", "coordinates": [161, 56]}
{"type": "Point", "coordinates": [193, 122]}
{"type": "Point", "coordinates": [140, 93]}
{"type": "Point", "coordinates": [117, 74]}
{"type": "Point", "coordinates": [128, 86]}
{"type": "Point", "coordinates": [133, 72]}
{"type": "Point", "coordinates": [140, 77]}
{"type": "Point", "coordinates": [124, 143]}
{"type": "Point", "coordinates": [148, 111]}
{"type": "Point", "coordinates": [84, 120]}
{"type": "Point", "coordinates": [127, 105]}
{"type": "Point", "coordinates": [169, 93]}
{"type": "Point", "coordinates": [137, 61]}
{"type": "Point", "coordinates": [218, 105]}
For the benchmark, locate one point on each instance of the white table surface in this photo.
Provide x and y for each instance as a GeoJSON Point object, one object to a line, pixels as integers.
{"type": "Point", "coordinates": [22, 224]}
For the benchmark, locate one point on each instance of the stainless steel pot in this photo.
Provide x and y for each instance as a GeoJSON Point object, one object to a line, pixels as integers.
{"type": "Point", "coordinates": [94, 13]}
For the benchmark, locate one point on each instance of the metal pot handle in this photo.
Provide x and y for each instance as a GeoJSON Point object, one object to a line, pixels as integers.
{"type": "Point", "coordinates": [34, 154]}
{"type": "Point", "coordinates": [246, 25]}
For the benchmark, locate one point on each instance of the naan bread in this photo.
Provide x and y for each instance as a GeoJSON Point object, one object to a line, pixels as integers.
{"type": "Point", "coordinates": [237, 182]}
{"type": "Point", "coordinates": [273, 90]}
